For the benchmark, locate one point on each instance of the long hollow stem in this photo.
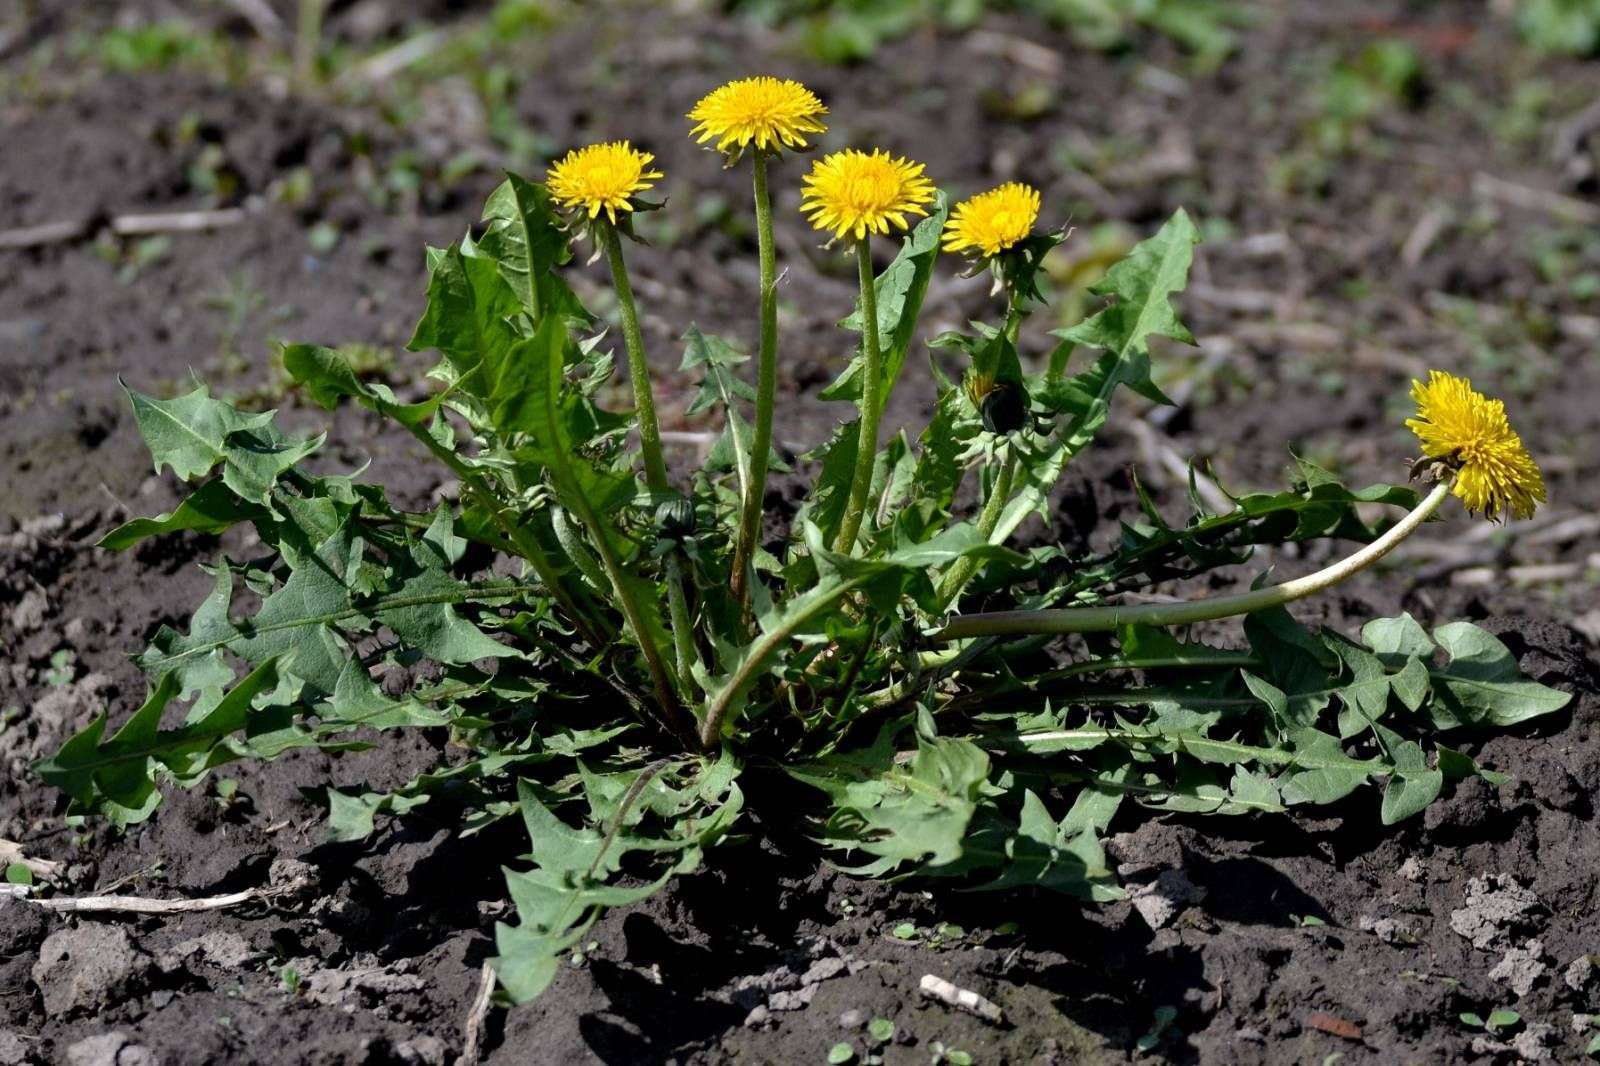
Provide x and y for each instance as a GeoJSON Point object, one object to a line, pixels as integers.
{"type": "Point", "coordinates": [655, 467]}
{"type": "Point", "coordinates": [1105, 619]}
{"type": "Point", "coordinates": [683, 649]}
{"type": "Point", "coordinates": [962, 570]}
{"type": "Point", "coordinates": [755, 659]}
{"type": "Point", "coordinates": [644, 397]}
{"type": "Point", "coordinates": [766, 391]}
{"type": "Point", "coordinates": [871, 404]}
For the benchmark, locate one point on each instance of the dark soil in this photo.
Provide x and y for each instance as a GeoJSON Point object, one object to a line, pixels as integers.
{"type": "Point", "coordinates": [1287, 941]}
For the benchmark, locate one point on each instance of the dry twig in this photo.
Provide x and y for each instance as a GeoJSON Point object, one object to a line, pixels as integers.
{"type": "Point", "coordinates": [1528, 198]}
{"type": "Point", "coordinates": [122, 226]}
{"type": "Point", "coordinates": [11, 852]}
{"type": "Point", "coordinates": [148, 904]}
{"type": "Point", "coordinates": [471, 1045]}
{"type": "Point", "coordinates": [961, 998]}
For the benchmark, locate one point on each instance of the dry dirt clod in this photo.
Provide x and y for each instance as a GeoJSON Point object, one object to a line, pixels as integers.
{"type": "Point", "coordinates": [1579, 973]}
{"type": "Point", "coordinates": [1163, 899]}
{"type": "Point", "coordinates": [1522, 967]}
{"type": "Point", "coordinates": [115, 1048]}
{"type": "Point", "coordinates": [423, 1051]}
{"type": "Point", "coordinates": [88, 968]}
{"type": "Point", "coordinates": [13, 1048]}
{"type": "Point", "coordinates": [222, 948]}
{"type": "Point", "coordinates": [1536, 1043]}
{"type": "Point", "coordinates": [1496, 907]}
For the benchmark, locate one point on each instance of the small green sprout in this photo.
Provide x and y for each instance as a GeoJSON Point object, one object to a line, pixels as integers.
{"type": "Point", "coordinates": [1161, 1028]}
{"type": "Point", "coordinates": [841, 1053]}
{"type": "Point", "coordinates": [1498, 1021]}
{"type": "Point", "coordinates": [63, 668]}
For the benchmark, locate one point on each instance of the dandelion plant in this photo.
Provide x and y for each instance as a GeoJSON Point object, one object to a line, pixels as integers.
{"type": "Point", "coordinates": [614, 651]}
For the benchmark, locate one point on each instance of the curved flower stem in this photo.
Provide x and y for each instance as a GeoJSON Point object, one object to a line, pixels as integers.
{"type": "Point", "coordinates": [962, 570]}
{"type": "Point", "coordinates": [1105, 619]}
{"type": "Point", "coordinates": [644, 398]}
{"type": "Point", "coordinates": [871, 404]}
{"type": "Point", "coordinates": [797, 614]}
{"type": "Point", "coordinates": [766, 391]}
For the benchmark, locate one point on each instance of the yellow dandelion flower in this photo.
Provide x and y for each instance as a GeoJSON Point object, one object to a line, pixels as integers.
{"type": "Point", "coordinates": [992, 221]}
{"type": "Point", "coordinates": [771, 113]}
{"type": "Point", "coordinates": [855, 193]}
{"type": "Point", "coordinates": [601, 177]}
{"type": "Point", "coordinates": [1457, 424]}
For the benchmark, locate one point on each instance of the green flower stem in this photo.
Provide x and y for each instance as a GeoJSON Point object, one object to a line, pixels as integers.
{"type": "Point", "coordinates": [644, 399]}
{"type": "Point", "coordinates": [307, 42]}
{"type": "Point", "coordinates": [962, 570]}
{"type": "Point", "coordinates": [683, 648]}
{"type": "Point", "coordinates": [766, 390]}
{"type": "Point", "coordinates": [871, 404]}
{"type": "Point", "coordinates": [898, 691]}
{"type": "Point", "coordinates": [655, 467]}
{"type": "Point", "coordinates": [797, 615]}
{"type": "Point", "coordinates": [1106, 619]}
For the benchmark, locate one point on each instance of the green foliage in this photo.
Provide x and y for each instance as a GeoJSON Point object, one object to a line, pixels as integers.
{"type": "Point", "coordinates": [841, 31]}
{"type": "Point", "coordinates": [525, 615]}
{"type": "Point", "coordinates": [1560, 27]}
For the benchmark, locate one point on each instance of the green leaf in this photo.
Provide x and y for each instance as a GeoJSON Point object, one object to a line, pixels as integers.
{"type": "Point", "coordinates": [1323, 773]}
{"type": "Point", "coordinates": [830, 490]}
{"type": "Point", "coordinates": [1456, 766]}
{"type": "Point", "coordinates": [328, 377]}
{"type": "Point", "coordinates": [116, 776]}
{"type": "Point", "coordinates": [426, 619]}
{"type": "Point", "coordinates": [1142, 284]}
{"type": "Point", "coordinates": [467, 317]}
{"type": "Point", "coordinates": [1063, 856]}
{"type": "Point", "coordinates": [1412, 785]}
{"type": "Point", "coordinates": [899, 813]}
{"type": "Point", "coordinates": [18, 873]}
{"type": "Point", "coordinates": [1482, 683]}
{"type": "Point", "coordinates": [1397, 640]}
{"type": "Point", "coordinates": [525, 238]}
{"type": "Point", "coordinates": [194, 433]}
{"type": "Point", "coordinates": [301, 620]}
{"type": "Point", "coordinates": [212, 508]}
{"type": "Point", "coordinates": [567, 888]}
